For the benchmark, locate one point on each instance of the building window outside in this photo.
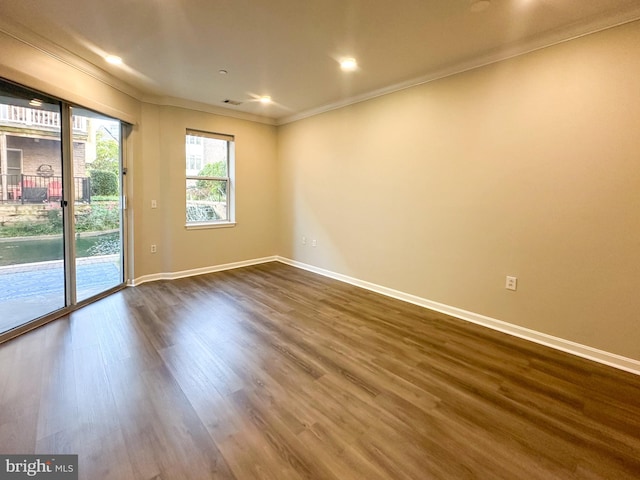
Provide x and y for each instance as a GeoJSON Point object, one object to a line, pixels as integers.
{"type": "Point", "coordinates": [194, 164]}
{"type": "Point", "coordinates": [14, 164]}
{"type": "Point", "coordinates": [209, 178]}
{"type": "Point", "coordinates": [194, 140]}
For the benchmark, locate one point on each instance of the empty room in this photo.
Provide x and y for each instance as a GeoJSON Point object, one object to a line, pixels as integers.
{"type": "Point", "coordinates": [354, 239]}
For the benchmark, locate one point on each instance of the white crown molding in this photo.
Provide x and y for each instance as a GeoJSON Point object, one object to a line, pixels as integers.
{"type": "Point", "coordinates": [198, 271]}
{"type": "Point", "coordinates": [47, 47]}
{"type": "Point", "coordinates": [506, 52]}
{"type": "Point", "coordinates": [610, 359]}
{"type": "Point", "coordinates": [515, 49]}
{"type": "Point", "coordinates": [206, 108]}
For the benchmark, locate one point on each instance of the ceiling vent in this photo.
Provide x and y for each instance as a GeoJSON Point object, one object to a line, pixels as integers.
{"type": "Point", "coordinates": [232, 102]}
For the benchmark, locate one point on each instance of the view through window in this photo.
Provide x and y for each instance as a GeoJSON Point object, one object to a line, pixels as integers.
{"type": "Point", "coordinates": [209, 175]}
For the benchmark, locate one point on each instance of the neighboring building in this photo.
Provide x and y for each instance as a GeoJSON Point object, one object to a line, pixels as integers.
{"type": "Point", "coordinates": [30, 155]}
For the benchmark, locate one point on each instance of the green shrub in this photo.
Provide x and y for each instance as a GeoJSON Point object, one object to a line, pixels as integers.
{"type": "Point", "coordinates": [105, 216]}
{"type": "Point", "coordinates": [105, 245]}
{"type": "Point", "coordinates": [103, 183]}
{"type": "Point", "coordinates": [94, 218]}
{"type": "Point", "coordinates": [54, 219]}
{"type": "Point", "coordinates": [104, 198]}
{"type": "Point", "coordinates": [29, 229]}
{"type": "Point", "coordinates": [51, 226]}
{"type": "Point", "coordinates": [212, 189]}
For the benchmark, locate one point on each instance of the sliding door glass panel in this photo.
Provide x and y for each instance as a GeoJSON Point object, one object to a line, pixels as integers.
{"type": "Point", "coordinates": [97, 186]}
{"type": "Point", "coordinates": [32, 275]}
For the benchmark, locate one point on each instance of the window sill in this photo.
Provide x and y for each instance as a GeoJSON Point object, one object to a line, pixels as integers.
{"type": "Point", "coordinates": [202, 226]}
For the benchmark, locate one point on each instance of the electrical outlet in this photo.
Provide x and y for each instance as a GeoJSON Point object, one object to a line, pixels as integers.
{"type": "Point", "coordinates": [154, 249]}
{"type": "Point", "coordinates": [511, 283]}
{"type": "Point", "coordinates": [314, 243]}
{"type": "Point", "coordinates": [154, 204]}
{"type": "Point", "coordinates": [304, 240]}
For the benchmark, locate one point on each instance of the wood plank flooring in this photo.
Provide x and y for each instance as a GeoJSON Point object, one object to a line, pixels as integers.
{"type": "Point", "coordinates": [270, 372]}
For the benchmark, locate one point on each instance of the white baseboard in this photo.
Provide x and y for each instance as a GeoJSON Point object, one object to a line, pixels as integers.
{"type": "Point", "coordinates": [590, 353]}
{"type": "Point", "coordinates": [198, 271]}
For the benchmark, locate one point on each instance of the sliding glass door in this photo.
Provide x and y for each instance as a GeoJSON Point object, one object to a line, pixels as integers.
{"type": "Point", "coordinates": [32, 274]}
{"type": "Point", "coordinates": [98, 207]}
{"type": "Point", "coordinates": [61, 229]}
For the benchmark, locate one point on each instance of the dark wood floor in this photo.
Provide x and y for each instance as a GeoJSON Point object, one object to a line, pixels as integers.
{"type": "Point", "coordinates": [276, 373]}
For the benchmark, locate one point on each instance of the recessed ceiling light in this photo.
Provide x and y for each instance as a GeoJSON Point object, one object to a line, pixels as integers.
{"type": "Point", "coordinates": [113, 59]}
{"type": "Point", "coordinates": [348, 64]}
{"type": "Point", "coordinates": [35, 102]}
{"type": "Point", "coordinates": [479, 5]}
{"type": "Point", "coordinates": [265, 99]}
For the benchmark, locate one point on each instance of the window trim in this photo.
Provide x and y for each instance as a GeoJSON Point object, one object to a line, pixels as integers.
{"type": "Point", "coordinates": [229, 179]}
{"type": "Point", "coordinates": [5, 165]}
{"type": "Point", "coordinates": [207, 225]}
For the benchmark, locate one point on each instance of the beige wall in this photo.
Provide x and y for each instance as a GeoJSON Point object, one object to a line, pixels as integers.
{"type": "Point", "coordinates": [160, 175]}
{"type": "Point", "coordinates": [529, 167]}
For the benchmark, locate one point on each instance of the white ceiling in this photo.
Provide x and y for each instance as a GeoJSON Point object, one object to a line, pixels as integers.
{"type": "Point", "coordinates": [288, 49]}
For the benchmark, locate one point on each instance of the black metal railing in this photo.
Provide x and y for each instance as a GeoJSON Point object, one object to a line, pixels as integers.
{"type": "Point", "coordinates": [40, 189]}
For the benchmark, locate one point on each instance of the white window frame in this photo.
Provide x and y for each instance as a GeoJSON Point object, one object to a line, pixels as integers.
{"type": "Point", "coordinates": [195, 137]}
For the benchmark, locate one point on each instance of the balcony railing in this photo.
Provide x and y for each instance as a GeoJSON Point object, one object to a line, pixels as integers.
{"type": "Point", "coordinates": [39, 119]}
{"type": "Point", "coordinates": [36, 189]}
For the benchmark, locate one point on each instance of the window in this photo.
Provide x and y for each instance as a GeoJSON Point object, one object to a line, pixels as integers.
{"type": "Point", "coordinates": [209, 174]}
{"type": "Point", "coordinates": [14, 165]}
{"type": "Point", "coordinates": [194, 164]}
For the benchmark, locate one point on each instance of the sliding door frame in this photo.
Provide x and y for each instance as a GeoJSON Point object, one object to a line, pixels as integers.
{"type": "Point", "coordinates": [68, 215]}
{"type": "Point", "coordinates": [68, 207]}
